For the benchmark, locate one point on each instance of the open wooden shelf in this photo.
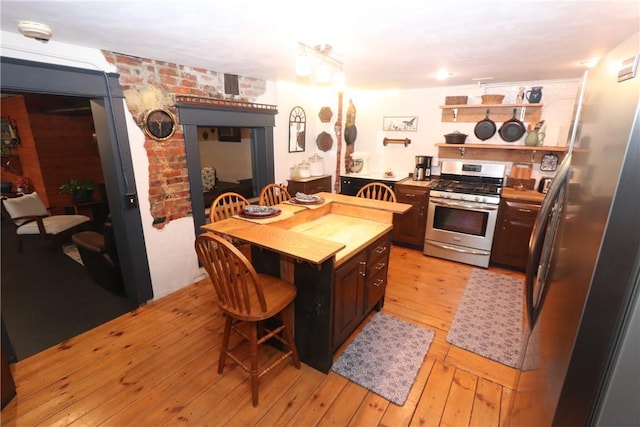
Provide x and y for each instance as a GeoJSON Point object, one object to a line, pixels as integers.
{"type": "Point", "coordinates": [507, 153]}
{"type": "Point", "coordinates": [497, 112]}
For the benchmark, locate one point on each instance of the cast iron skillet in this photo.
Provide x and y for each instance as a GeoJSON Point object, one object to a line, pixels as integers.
{"type": "Point", "coordinates": [485, 128]}
{"type": "Point", "coordinates": [513, 129]}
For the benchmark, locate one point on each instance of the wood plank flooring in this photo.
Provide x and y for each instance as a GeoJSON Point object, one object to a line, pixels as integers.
{"type": "Point", "coordinates": [158, 366]}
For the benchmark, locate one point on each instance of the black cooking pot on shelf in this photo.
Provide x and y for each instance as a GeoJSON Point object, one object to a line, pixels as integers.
{"type": "Point", "coordinates": [455, 138]}
{"type": "Point", "coordinates": [513, 129]}
{"type": "Point", "coordinates": [485, 128]}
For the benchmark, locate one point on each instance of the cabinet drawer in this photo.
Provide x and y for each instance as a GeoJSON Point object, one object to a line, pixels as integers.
{"type": "Point", "coordinates": [375, 289]}
{"type": "Point", "coordinates": [379, 250]}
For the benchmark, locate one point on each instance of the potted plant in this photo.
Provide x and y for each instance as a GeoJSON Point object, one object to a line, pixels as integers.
{"type": "Point", "coordinates": [80, 189]}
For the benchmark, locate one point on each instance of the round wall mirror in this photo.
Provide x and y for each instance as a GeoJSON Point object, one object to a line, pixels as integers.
{"type": "Point", "coordinates": [297, 130]}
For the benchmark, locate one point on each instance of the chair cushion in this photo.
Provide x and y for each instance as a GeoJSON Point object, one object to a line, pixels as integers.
{"type": "Point", "coordinates": [53, 224]}
{"type": "Point", "coordinates": [208, 178]}
{"type": "Point", "coordinates": [27, 205]}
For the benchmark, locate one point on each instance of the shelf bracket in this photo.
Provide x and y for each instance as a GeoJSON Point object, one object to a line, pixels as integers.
{"type": "Point", "coordinates": [461, 152]}
{"type": "Point", "coordinates": [533, 156]}
{"type": "Point", "coordinates": [455, 114]}
{"type": "Point", "coordinates": [523, 112]}
{"type": "Point", "coordinates": [405, 141]}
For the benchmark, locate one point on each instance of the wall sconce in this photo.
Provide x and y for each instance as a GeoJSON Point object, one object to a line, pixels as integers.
{"type": "Point", "coordinates": [325, 63]}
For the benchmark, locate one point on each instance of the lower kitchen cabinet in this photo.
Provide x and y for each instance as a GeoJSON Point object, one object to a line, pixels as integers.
{"type": "Point", "coordinates": [513, 230]}
{"type": "Point", "coordinates": [315, 184]}
{"type": "Point", "coordinates": [409, 227]}
{"type": "Point", "coordinates": [359, 286]}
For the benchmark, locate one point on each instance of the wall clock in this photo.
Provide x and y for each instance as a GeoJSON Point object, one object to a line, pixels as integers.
{"type": "Point", "coordinates": [159, 124]}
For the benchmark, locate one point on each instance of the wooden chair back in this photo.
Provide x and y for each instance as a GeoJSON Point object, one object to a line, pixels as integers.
{"type": "Point", "coordinates": [377, 191]}
{"type": "Point", "coordinates": [234, 279]}
{"type": "Point", "coordinates": [226, 205]}
{"type": "Point", "coordinates": [272, 194]}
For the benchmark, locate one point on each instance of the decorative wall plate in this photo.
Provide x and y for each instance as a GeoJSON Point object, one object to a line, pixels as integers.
{"type": "Point", "coordinates": [325, 114]}
{"type": "Point", "coordinates": [549, 162]}
{"type": "Point", "coordinates": [324, 141]}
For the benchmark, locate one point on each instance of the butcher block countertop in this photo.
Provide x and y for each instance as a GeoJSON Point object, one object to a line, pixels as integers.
{"type": "Point", "coordinates": [522, 195]}
{"type": "Point", "coordinates": [340, 228]}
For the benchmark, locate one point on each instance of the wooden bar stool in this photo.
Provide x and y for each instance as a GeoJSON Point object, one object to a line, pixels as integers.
{"type": "Point", "coordinates": [248, 297]}
{"type": "Point", "coordinates": [377, 191]}
{"type": "Point", "coordinates": [273, 194]}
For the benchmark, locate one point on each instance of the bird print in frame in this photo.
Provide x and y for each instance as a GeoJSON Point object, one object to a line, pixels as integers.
{"type": "Point", "coordinates": [409, 123]}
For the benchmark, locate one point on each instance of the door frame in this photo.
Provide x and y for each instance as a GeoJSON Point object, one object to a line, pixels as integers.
{"type": "Point", "coordinates": [262, 151]}
{"type": "Point", "coordinates": [109, 115]}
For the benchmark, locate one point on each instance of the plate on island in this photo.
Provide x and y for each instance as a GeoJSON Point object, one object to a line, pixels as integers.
{"type": "Point", "coordinates": [254, 211]}
{"type": "Point", "coordinates": [306, 199]}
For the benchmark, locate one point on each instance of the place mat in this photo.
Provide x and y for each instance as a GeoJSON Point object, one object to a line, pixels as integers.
{"type": "Point", "coordinates": [488, 321]}
{"type": "Point", "coordinates": [386, 356]}
{"type": "Point", "coordinates": [266, 220]}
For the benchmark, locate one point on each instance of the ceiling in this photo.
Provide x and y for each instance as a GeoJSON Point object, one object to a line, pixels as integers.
{"type": "Point", "coordinates": [383, 45]}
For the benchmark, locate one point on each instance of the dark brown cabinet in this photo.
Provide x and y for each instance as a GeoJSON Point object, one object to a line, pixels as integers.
{"type": "Point", "coordinates": [348, 298]}
{"type": "Point", "coordinates": [513, 230]}
{"type": "Point", "coordinates": [409, 227]}
{"type": "Point", "coordinates": [312, 185]}
{"type": "Point", "coordinates": [359, 286]}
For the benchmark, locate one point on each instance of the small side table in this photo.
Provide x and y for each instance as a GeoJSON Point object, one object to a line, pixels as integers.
{"type": "Point", "coordinates": [311, 185]}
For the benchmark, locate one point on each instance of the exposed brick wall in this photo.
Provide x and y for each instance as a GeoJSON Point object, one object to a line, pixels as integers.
{"type": "Point", "coordinates": [150, 84]}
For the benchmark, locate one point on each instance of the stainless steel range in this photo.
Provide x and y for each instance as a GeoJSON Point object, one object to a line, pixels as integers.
{"type": "Point", "coordinates": [463, 210]}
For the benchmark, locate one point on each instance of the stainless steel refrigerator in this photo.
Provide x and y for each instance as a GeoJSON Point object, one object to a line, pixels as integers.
{"type": "Point", "coordinates": [581, 355]}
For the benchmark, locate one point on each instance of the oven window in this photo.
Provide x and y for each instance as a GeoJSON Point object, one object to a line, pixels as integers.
{"type": "Point", "coordinates": [461, 220]}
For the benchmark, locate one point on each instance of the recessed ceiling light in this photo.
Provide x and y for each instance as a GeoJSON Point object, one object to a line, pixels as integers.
{"type": "Point", "coordinates": [443, 74]}
{"type": "Point", "coordinates": [35, 30]}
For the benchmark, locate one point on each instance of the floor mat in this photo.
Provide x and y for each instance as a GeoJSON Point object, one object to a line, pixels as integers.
{"type": "Point", "coordinates": [488, 321]}
{"type": "Point", "coordinates": [385, 357]}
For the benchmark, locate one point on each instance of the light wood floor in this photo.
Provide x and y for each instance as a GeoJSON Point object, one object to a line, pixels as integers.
{"type": "Point", "coordinates": [157, 366]}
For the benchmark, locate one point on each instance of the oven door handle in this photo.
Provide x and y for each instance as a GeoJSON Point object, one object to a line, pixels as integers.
{"type": "Point", "coordinates": [473, 206]}
{"type": "Point", "coordinates": [455, 249]}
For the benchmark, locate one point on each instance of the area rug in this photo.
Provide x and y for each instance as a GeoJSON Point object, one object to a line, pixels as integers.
{"type": "Point", "coordinates": [71, 251]}
{"type": "Point", "coordinates": [488, 321]}
{"type": "Point", "coordinates": [385, 357]}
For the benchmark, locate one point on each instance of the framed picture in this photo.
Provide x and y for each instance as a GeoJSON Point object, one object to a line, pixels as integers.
{"type": "Point", "coordinates": [229, 134]}
{"type": "Point", "coordinates": [408, 123]}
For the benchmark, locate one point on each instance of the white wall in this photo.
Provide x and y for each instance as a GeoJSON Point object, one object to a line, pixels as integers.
{"type": "Point", "coordinates": [173, 262]}
{"type": "Point", "coordinates": [372, 106]}
{"type": "Point", "coordinates": [232, 160]}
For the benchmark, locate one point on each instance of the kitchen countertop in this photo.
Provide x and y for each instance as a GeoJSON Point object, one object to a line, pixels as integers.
{"type": "Point", "coordinates": [523, 195]}
{"type": "Point", "coordinates": [421, 184]}
{"type": "Point", "coordinates": [375, 176]}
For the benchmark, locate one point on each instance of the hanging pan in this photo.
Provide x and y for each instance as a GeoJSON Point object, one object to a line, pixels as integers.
{"type": "Point", "coordinates": [485, 128]}
{"type": "Point", "coordinates": [513, 129]}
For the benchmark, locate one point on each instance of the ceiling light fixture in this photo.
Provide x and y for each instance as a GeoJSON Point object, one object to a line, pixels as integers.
{"type": "Point", "coordinates": [591, 62]}
{"type": "Point", "coordinates": [35, 30]}
{"type": "Point", "coordinates": [324, 64]}
{"type": "Point", "coordinates": [443, 74]}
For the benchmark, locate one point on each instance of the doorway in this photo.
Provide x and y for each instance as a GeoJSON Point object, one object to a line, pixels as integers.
{"type": "Point", "coordinates": [106, 101]}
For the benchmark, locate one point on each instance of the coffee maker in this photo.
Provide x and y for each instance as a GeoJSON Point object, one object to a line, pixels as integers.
{"type": "Point", "coordinates": [422, 172]}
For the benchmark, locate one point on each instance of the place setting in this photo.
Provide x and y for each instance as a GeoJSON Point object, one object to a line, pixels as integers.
{"type": "Point", "coordinates": [307, 200]}
{"type": "Point", "coordinates": [262, 214]}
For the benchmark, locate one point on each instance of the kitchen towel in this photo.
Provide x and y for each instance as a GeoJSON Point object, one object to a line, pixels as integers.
{"type": "Point", "coordinates": [385, 357]}
{"type": "Point", "coordinates": [488, 321]}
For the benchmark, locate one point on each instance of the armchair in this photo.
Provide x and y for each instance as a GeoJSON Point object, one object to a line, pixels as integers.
{"type": "Point", "coordinates": [32, 220]}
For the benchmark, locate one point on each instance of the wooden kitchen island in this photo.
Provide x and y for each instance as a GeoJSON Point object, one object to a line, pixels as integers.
{"type": "Point", "coordinates": [336, 254]}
